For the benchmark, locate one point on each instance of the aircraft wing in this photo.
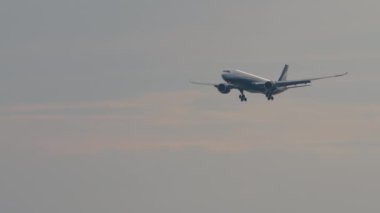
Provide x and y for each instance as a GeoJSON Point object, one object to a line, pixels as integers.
{"type": "Point", "coordinates": [304, 81]}
{"type": "Point", "coordinates": [231, 86]}
{"type": "Point", "coordinates": [205, 84]}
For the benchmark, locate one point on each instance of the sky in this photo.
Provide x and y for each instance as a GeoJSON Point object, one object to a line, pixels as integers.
{"type": "Point", "coordinates": [97, 113]}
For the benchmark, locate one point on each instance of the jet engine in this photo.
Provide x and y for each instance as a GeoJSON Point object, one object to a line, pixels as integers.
{"type": "Point", "coordinates": [223, 88]}
{"type": "Point", "coordinates": [269, 86]}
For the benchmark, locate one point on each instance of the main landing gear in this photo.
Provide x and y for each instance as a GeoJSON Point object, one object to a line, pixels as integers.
{"type": "Point", "coordinates": [242, 96]}
{"type": "Point", "coordinates": [270, 97]}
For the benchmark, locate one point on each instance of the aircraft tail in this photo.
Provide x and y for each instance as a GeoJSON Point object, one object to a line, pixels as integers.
{"type": "Point", "coordinates": [284, 73]}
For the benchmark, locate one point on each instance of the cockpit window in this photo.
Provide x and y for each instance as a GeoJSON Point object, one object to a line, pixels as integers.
{"type": "Point", "coordinates": [226, 71]}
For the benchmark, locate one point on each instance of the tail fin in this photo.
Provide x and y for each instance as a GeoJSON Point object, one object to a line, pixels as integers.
{"type": "Point", "coordinates": [284, 73]}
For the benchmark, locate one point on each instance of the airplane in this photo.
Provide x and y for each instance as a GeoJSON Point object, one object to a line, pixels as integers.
{"type": "Point", "coordinates": [243, 81]}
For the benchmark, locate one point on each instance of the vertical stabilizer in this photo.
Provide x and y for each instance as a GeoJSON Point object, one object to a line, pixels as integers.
{"type": "Point", "coordinates": [284, 73]}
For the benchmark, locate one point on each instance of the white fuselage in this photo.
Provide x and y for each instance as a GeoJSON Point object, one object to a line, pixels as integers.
{"type": "Point", "coordinates": [247, 81]}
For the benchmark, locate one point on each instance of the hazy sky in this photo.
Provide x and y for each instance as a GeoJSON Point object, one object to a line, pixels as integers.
{"type": "Point", "coordinates": [97, 115]}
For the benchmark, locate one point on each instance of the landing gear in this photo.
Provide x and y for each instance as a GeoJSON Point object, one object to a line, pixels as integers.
{"type": "Point", "coordinates": [242, 96]}
{"type": "Point", "coordinates": [270, 97]}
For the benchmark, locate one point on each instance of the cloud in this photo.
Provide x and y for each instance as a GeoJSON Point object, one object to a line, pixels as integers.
{"type": "Point", "coordinates": [192, 119]}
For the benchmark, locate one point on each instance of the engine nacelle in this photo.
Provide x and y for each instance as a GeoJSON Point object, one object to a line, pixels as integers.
{"type": "Point", "coordinates": [270, 86]}
{"type": "Point", "coordinates": [223, 88]}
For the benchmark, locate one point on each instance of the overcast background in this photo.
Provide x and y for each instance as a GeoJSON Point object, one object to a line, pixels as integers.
{"type": "Point", "coordinates": [97, 115]}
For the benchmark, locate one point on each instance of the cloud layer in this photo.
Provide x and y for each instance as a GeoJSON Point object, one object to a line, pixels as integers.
{"type": "Point", "coordinates": [175, 120]}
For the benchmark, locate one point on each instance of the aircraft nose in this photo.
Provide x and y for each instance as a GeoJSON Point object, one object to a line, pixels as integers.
{"type": "Point", "coordinates": [225, 74]}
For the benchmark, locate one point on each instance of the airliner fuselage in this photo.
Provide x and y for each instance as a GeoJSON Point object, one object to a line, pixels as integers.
{"type": "Point", "coordinates": [248, 82]}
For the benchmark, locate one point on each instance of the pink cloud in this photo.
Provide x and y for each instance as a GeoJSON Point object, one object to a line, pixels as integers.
{"type": "Point", "coordinates": [177, 121]}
